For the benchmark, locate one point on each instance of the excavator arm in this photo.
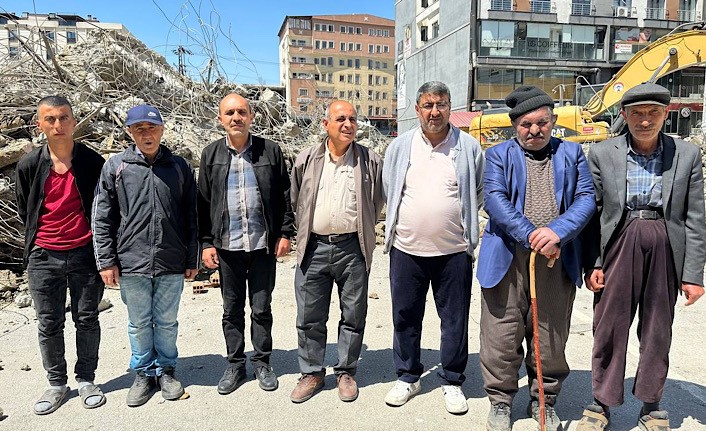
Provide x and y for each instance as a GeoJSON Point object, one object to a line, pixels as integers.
{"type": "Point", "coordinates": [667, 54]}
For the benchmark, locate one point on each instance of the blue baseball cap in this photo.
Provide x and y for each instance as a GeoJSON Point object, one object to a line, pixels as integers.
{"type": "Point", "coordinates": [143, 113]}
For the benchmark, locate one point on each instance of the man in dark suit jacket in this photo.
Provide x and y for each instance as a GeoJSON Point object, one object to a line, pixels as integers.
{"type": "Point", "coordinates": [538, 194]}
{"type": "Point", "coordinates": [646, 242]}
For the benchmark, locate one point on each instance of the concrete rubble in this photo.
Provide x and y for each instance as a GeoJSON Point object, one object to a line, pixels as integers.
{"type": "Point", "coordinates": [105, 76]}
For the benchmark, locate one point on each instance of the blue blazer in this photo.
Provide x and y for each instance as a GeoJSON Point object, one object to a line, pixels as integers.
{"type": "Point", "coordinates": [504, 185]}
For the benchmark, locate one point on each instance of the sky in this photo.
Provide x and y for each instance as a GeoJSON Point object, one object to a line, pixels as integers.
{"type": "Point", "coordinates": [241, 33]}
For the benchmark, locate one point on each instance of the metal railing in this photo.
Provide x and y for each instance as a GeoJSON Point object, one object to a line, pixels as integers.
{"type": "Point", "coordinates": [501, 5]}
{"type": "Point", "coordinates": [656, 13]}
{"type": "Point", "coordinates": [541, 6]}
{"type": "Point", "coordinates": [581, 9]}
{"type": "Point", "coordinates": [686, 15]}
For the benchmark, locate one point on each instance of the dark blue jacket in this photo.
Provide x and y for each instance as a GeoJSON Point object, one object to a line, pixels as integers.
{"type": "Point", "coordinates": [504, 185]}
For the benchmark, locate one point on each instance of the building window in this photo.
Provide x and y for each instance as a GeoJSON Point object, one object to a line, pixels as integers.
{"type": "Point", "coordinates": [377, 65]}
{"type": "Point", "coordinates": [317, 27]}
{"type": "Point", "coordinates": [370, 64]}
{"type": "Point", "coordinates": [343, 29]}
{"type": "Point", "coordinates": [384, 96]}
{"type": "Point", "coordinates": [379, 32]}
{"type": "Point", "coordinates": [11, 35]}
{"type": "Point", "coordinates": [370, 94]}
{"type": "Point", "coordinates": [341, 62]}
{"type": "Point", "coordinates": [70, 37]}
{"type": "Point", "coordinates": [370, 111]}
{"type": "Point", "coordinates": [384, 65]}
{"type": "Point", "coordinates": [14, 52]}
{"type": "Point", "coordinates": [377, 80]}
{"type": "Point", "coordinates": [330, 28]}
{"type": "Point", "coordinates": [583, 7]}
{"type": "Point", "coordinates": [384, 111]}
{"type": "Point", "coordinates": [317, 44]}
{"type": "Point", "coordinates": [370, 79]}
{"type": "Point", "coordinates": [341, 78]}
{"type": "Point", "coordinates": [349, 79]}
{"type": "Point", "coordinates": [343, 46]}
{"type": "Point", "coordinates": [351, 46]}
{"type": "Point", "coordinates": [387, 33]}
{"type": "Point", "coordinates": [303, 92]}
{"type": "Point", "coordinates": [385, 49]}
{"type": "Point", "coordinates": [357, 79]}
{"type": "Point", "coordinates": [358, 30]}
{"type": "Point", "coordinates": [371, 49]}
{"type": "Point", "coordinates": [377, 110]}
{"type": "Point", "coordinates": [384, 80]}
{"type": "Point", "coordinates": [316, 60]}
{"type": "Point", "coordinates": [357, 63]}
{"type": "Point", "coordinates": [501, 5]}
{"type": "Point", "coordinates": [434, 30]}
{"type": "Point", "coordinates": [358, 47]}
{"type": "Point", "coordinates": [50, 35]}
{"type": "Point", "coordinates": [350, 30]}
{"type": "Point", "coordinates": [425, 3]}
{"type": "Point", "coordinates": [330, 61]}
{"type": "Point", "coordinates": [350, 62]}
{"type": "Point", "coordinates": [371, 32]}
{"type": "Point", "coordinates": [341, 94]}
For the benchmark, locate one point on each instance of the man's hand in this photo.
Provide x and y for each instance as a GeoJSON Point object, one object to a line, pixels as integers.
{"type": "Point", "coordinates": [110, 275]}
{"type": "Point", "coordinates": [282, 247]}
{"type": "Point", "coordinates": [209, 257]}
{"type": "Point", "coordinates": [545, 242]}
{"type": "Point", "coordinates": [594, 280]}
{"type": "Point", "coordinates": [692, 292]}
{"type": "Point", "coordinates": [190, 273]}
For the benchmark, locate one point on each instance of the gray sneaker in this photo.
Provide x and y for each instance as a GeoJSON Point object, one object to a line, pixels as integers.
{"type": "Point", "coordinates": [171, 387]}
{"type": "Point", "coordinates": [140, 390]}
{"type": "Point", "coordinates": [499, 418]}
{"type": "Point", "coordinates": [551, 419]}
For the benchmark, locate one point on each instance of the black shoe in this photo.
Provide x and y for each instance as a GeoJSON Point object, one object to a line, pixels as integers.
{"type": "Point", "coordinates": [140, 390]}
{"type": "Point", "coordinates": [266, 378]}
{"type": "Point", "coordinates": [171, 387]}
{"type": "Point", "coordinates": [551, 419]}
{"type": "Point", "coordinates": [232, 378]}
{"type": "Point", "coordinates": [499, 418]}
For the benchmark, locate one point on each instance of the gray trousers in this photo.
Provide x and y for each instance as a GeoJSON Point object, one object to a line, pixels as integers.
{"type": "Point", "coordinates": [506, 320]}
{"type": "Point", "coordinates": [323, 264]}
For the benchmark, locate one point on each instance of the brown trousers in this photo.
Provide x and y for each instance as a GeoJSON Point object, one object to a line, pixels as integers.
{"type": "Point", "coordinates": [639, 278]}
{"type": "Point", "coordinates": [506, 320]}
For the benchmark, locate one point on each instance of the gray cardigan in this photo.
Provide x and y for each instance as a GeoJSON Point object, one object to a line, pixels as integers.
{"type": "Point", "coordinates": [469, 162]}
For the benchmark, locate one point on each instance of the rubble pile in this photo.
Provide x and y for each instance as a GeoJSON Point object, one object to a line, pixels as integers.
{"type": "Point", "coordinates": [103, 77]}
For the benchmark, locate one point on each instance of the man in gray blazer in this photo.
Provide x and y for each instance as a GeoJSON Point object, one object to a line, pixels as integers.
{"type": "Point", "coordinates": [646, 243]}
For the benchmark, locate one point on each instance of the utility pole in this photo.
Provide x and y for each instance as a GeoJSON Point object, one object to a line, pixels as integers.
{"type": "Point", "coordinates": [181, 52]}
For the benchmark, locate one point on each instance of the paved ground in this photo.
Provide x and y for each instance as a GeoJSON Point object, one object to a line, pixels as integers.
{"type": "Point", "coordinates": [201, 364]}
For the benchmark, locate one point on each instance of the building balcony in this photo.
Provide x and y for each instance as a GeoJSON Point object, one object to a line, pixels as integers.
{"type": "Point", "coordinates": [505, 5]}
{"type": "Point", "coordinates": [656, 13]}
{"type": "Point", "coordinates": [541, 6]}
{"type": "Point", "coordinates": [582, 9]}
{"type": "Point", "coordinates": [304, 100]}
{"type": "Point", "coordinates": [686, 15]}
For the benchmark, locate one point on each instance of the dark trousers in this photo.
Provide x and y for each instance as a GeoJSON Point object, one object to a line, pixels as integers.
{"type": "Point", "coordinates": [506, 321]}
{"type": "Point", "coordinates": [323, 264]}
{"type": "Point", "coordinates": [50, 274]}
{"type": "Point", "coordinates": [257, 268]}
{"type": "Point", "coordinates": [639, 279]}
{"type": "Point", "coordinates": [450, 279]}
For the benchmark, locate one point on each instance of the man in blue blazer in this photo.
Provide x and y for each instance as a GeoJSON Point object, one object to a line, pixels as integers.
{"type": "Point", "coordinates": [539, 195]}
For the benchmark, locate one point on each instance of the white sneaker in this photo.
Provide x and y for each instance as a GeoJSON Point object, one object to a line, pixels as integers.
{"type": "Point", "coordinates": [455, 400]}
{"type": "Point", "coordinates": [402, 392]}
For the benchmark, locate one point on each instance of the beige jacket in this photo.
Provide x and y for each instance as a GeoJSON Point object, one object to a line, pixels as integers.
{"type": "Point", "coordinates": [306, 174]}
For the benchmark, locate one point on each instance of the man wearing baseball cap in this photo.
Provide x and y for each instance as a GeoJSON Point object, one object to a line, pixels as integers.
{"type": "Point", "coordinates": [145, 237]}
{"type": "Point", "coordinates": [538, 196]}
{"type": "Point", "coordinates": [646, 244]}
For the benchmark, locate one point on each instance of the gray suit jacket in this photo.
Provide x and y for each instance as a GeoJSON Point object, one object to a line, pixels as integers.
{"type": "Point", "coordinates": [682, 203]}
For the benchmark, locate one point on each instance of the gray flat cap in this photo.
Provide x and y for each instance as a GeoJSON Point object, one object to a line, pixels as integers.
{"type": "Point", "coordinates": [646, 94]}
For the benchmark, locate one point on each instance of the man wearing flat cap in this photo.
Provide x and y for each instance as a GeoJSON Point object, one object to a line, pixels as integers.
{"type": "Point", "coordinates": [145, 239]}
{"type": "Point", "coordinates": [646, 244]}
{"type": "Point", "coordinates": [538, 195]}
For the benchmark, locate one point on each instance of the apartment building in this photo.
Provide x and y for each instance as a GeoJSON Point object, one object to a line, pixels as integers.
{"type": "Point", "coordinates": [349, 57]}
{"type": "Point", "coordinates": [557, 45]}
{"type": "Point", "coordinates": [26, 30]}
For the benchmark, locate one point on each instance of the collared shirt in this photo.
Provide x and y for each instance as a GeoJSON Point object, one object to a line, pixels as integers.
{"type": "Point", "coordinates": [644, 178]}
{"type": "Point", "coordinates": [243, 217]}
{"type": "Point", "coordinates": [429, 215]}
{"type": "Point", "coordinates": [336, 210]}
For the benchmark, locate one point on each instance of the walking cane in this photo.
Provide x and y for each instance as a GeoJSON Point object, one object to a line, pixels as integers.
{"type": "Point", "coordinates": [535, 333]}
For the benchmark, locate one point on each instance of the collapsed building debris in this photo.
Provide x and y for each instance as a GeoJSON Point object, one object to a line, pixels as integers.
{"type": "Point", "coordinates": [103, 77]}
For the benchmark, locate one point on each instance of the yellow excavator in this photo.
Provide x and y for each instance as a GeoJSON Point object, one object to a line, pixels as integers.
{"type": "Point", "coordinates": [685, 46]}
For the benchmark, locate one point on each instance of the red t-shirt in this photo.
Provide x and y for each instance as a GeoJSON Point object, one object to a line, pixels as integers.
{"type": "Point", "coordinates": [62, 224]}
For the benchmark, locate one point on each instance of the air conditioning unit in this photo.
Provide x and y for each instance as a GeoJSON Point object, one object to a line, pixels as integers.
{"type": "Point", "coordinates": [622, 11]}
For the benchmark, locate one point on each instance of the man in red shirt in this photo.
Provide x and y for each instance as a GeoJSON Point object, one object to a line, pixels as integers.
{"type": "Point", "coordinates": [55, 185]}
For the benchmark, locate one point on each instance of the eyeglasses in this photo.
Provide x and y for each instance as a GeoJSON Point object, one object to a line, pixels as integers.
{"type": "Point", "coordinates": [440, 106]}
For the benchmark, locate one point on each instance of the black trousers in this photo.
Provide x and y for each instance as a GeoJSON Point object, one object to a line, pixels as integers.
{"type": "Point", "coordinates": [639, 279]}
{"type": "Point", "coordinates": [50, 274]}
{"type": "Point", "coordinates": [257, 270]}
{"type": "Point", "coordinates": [450, 279]}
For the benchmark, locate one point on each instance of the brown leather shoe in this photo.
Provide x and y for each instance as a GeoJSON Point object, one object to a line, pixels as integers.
{"type": "Point", "coordinates": [347, 388]}
{"type": "Point", "coordinates": [308, 386]}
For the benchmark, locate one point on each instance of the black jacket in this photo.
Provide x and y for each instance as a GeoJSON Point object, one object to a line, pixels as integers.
{"type": "Point", "coordinates": [272, 180]}
{"type": "Point", "coordinates": [144, 215]}
{"type": "Point", "coordinates": [32, 172]}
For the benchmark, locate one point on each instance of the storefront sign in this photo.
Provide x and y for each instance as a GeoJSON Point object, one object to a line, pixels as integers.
{"type": "Point", "coordinates": [623, 48]}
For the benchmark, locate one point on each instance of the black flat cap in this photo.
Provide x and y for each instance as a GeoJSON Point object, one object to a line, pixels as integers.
{"type": "Point", "coordinates": [527, 99]}
{"type": "Point", "coordinates": [646, 94]}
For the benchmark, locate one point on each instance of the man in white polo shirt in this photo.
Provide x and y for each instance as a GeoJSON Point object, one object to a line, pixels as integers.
{"type": "Point", "coordinates": [432, 177]}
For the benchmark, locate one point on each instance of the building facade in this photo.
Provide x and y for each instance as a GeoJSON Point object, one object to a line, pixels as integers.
{"type": "Point", "coordinates": [349, 57]}
{"type": "Point", "coordinates": [46, 34]}
{"type": "Point", "coordinates": [557, 45]}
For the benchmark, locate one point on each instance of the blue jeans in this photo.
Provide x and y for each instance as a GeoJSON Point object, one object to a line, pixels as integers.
{"type": "Point", "coordinates": [152, 307]}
